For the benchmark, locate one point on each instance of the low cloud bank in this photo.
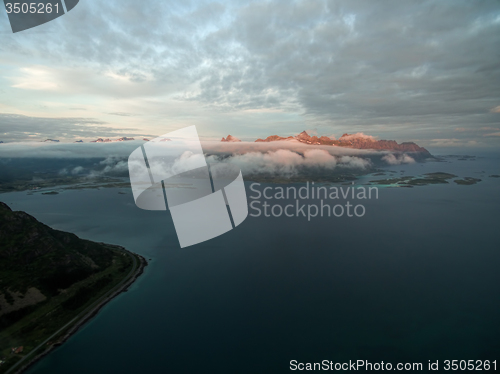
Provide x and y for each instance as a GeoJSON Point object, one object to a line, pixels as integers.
{"type": "Point", "coordinates": [273, 158]}
{"type": "Point", "coordinates": [398, 159]}
{"type": "Point", "coordinates": [112, 165]}
{"type": "Point", "coordinates": [285, 162]}
{"type": "Point", "coordinates": [123, 149]}
{"type": "Point", "coordinates": [294, 146]}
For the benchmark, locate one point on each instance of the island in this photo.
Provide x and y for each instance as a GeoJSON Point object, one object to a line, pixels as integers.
{"type": "Point", "coordinates": [467, 181]}
{"type": "Point", "coordinates": [424, 180]}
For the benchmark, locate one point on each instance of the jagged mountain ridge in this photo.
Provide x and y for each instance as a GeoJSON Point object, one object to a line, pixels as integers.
{"type": "Point", "coordinates": [347, 140]}
{"type": "Point", "coordinates": [35, 255]}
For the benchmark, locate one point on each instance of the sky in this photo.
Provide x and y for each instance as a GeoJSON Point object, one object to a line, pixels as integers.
{"type": "Point", "coordinates": [423, 71]}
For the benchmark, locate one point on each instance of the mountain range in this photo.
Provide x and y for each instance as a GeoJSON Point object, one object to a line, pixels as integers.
{"type": "Point", "coordinates": [101, 140]}
{"type": "Point", "coordinates": [357, 141]}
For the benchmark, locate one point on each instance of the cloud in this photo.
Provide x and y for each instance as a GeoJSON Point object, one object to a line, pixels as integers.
{"type": "Point", "coordinates": [16, 127]}
{"type": "Point", "coordinates": [345, 65]}
{"type": "Point", "coordinates": [351, 162]}
{"type": "Point", "coordinates": [398, 159]}
{"type": "Point", "coordinates": [358, 135]}
{"type": "Point", "coordinates": [493, 134]}
{"type": "Point", "coordinates": [186, 161]}
{"type": "Point", "coordinates": [67, 150]}
{"type": "Point", "coordinates": [122, 114]}
{"type": "Point", "coordinates": [222, 148]}
{"type": "Point", "coordinates": [277, 158]}
{"type": "Point", "coordinates": [495, 109]}
{"type": "Point", "coordinates": [284, 162]}
{"type": "Point", "coordinates": [35, 78]}
{"type": "Point", "coordinates": [110, 166]}
{"type": "Point", "coordinates": [113, 165]}
{"type": "Point", "coordinates": [77, 170]}
{"type": "Point", "coordinates": [113, 151]}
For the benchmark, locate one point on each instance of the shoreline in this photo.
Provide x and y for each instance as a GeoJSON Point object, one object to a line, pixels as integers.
{"type": "Point", "coordinates": [88, 315]}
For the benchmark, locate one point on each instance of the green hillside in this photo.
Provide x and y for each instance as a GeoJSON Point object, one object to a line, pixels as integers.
{"type": "Point", "coordinates": [49, 278]}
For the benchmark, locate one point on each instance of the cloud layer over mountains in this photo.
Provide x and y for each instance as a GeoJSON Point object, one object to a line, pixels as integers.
{"type": "Point", "coordinates": [421, 68]}
{"type": "Point", "coordinates": [274, 158]}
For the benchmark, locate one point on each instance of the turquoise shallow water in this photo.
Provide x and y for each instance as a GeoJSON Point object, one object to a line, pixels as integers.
{"type": "Point", "coordinates": [415, 279]}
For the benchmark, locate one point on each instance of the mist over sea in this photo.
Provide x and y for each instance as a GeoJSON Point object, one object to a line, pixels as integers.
{"type": "Point", "coordinates": [415, 279]}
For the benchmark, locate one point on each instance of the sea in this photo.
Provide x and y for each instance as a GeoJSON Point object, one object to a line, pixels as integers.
{"type": "Point", "coordinates": [416, 279]}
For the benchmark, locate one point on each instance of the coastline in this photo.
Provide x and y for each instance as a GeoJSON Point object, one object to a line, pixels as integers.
{"type": "Point", "coordinates": [87, 314]}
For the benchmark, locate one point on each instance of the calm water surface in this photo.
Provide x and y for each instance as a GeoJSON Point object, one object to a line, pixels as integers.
{"type": "Point", "coordinates": [415, 279]}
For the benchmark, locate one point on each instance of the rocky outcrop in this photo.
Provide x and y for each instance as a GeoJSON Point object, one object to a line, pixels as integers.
{"type": "Point", "coordinates": [230, 138]}
{"type": "Point", "coordinates": [35, 255]}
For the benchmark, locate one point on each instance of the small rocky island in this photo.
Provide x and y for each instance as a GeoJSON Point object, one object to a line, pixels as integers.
{"type": "Point", "coordinates": [424, 180]}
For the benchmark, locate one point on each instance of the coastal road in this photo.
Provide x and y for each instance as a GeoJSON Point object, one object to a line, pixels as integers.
{"type": "Point", "coordinates": [82, 316]}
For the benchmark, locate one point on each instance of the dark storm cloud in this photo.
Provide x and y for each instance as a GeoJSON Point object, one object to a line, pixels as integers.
{"type": "Point", "coordinates": [370, 62]}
